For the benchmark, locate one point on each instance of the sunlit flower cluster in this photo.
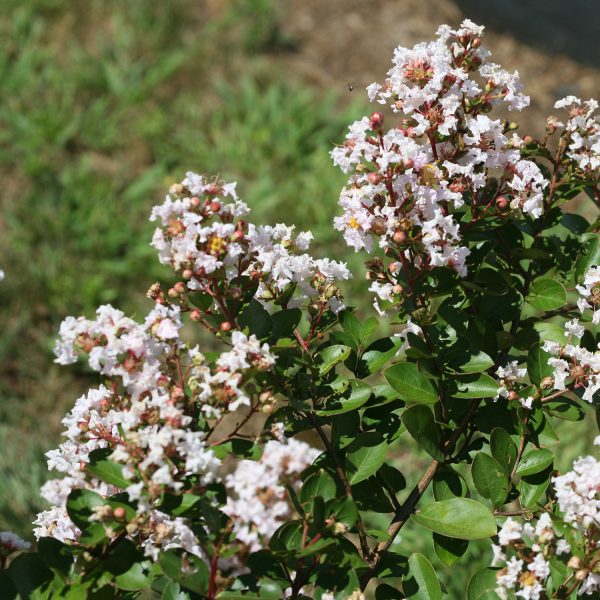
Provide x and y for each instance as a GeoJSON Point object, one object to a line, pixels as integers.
{"type": "Point", "coordinates": [573, 363]}
{"type": "Point", "coordinates": [407, 181]}
{"type": "Point", "coordinates": [259, 503]}
{"type": "Point", "coordinates": [582, 132]}
{"type": "Point", "coordinates": [202, 234]}
{"type": "Point", "coordinates": [571, 535]}
{"type": "Point", "coordinates": [509, 377]}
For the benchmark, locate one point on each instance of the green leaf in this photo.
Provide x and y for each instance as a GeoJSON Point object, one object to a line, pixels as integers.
{"type": "Point", "coordinates": [475, 363]}
{"type": "Point", "coordinates": [482, 585]}
{"type": "Point", "coordinates": [490, 479]}
{"type": "Point", "coordinates": [107, 470]}
{"type": "Point", "coordinates": [354, 397]}
{"type": "Point", "coordinates": [547, 294]}
{"type": "Point", "coordinates": [377, 355]}
{"type": "Point", "coordinates": [172, 591]}
{"type": "Point", "coordinates": [256, 319]}
{"type": "Point", "coordinates": [564, 408]}
{"type": "Point", "coordinates": [419, 422]}
{"type": "Point", "coordinates": [239, 448]}
{"type": "Point", "coordinates": [365, 455]}
{"type": "Point", "coordinates": [134, 579]}
{"type": "Point", "coordinates": [283, 323]}
{"type": "Point", "coordinates": [345, 511]}
{"type": "Point", "coordinates": [411, 386]}
{"type": "Point", "coordinates": [447, 484]}
{"type": "Point", "coordinates": [194, 579]}
{"type": "Point", "coordinates": [534, 461]}
{"type": "Point", "coordinates": [318, 484]}
{"type": "Point", "coordinates": [590, 255]}
{"type": "Point", "coordinates": [537, 365]}
{"type": "Point", "coordinates": [351, 325]}
{"type": "Point", "coordinates": [503, 449]}
{"type": "Point", "coordinates": [447, 549]}
{"type": "Point", "coordinates": [81, 504]}
{"type": "Point", "coordinates": [480, 386]}
{"type": "Point", "coordinates": [533, 487]}
{"type": "Point", "coordinates": [55, 554]}
{"type": "Point", "coordinates": [421, 582]}
{"type": "Point", "coordinates": [461, 518]}
{"type": "Point", "coordinates": [331, 356]}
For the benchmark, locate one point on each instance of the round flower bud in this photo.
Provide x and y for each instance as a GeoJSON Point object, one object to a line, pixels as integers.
{"type": "Point", "coordinates": [215, 206]}
{"type": "Point", "coordinates": [376, 120]}
{"type": "Point", "coordinates": [408, 163]}
{"type": "Point", "coordinates": [502, 203]}
{"type": "Point", "coordinates": [196, 315]}
{"type": "Point", "coordinates": [527, 139]}
{"type": "Point", "coordinates": [378, 226]}
{"type": "Point", "coordinates": [195, 202]}
{"type": "Point", "coordinates": [179, 287]}
{"type": "Point", "coordinates": [119, 512]}
{"type": "Point", "coordinates": [187, 274]}
{"type": "Point", "coordinates": [374, 178]}
{"type": "Point", "coordinates": [172, 293]}
{"type": "Point", "coordinates": [399, 237]}
{"type": "Point", "coordinates": [512, 395]}
{"type": "Point", "coordinates": [547, 383]}
{"type": "Point", "coordinates": [226, 326]}
{"type": "Point", "coordinates": [475, 42]}
{"type": "Point", "coordinates": [397, 289]}
{"type": "Point", "coordinates": [574, 563]}
{"type": "Point", "coordinates": [581, 574]}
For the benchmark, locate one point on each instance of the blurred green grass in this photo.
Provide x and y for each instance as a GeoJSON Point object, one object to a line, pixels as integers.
{"type": "Point", "coordinates": [104, 104]}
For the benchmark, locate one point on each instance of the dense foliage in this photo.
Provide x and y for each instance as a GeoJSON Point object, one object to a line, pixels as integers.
{"type": "Point", "coordinates": [189, 472]}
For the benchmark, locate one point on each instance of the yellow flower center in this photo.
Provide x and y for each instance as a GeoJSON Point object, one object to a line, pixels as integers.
{"type": "Point", "coordinates": [429, 174]}
{"type": "Point", "coordinates": [216, 245]}
{"type": "Point", "coordinates": [353, 223]}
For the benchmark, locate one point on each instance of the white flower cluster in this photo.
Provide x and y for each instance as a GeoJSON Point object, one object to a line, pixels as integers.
{"type": "Point", "coordinates": [406, 181]}
{"type": "Point", "coordinates": [221, 389]}
{"type": "Point", "coordinates": [509, 375]}
{"type": "Point", "coordinates": [577, 517]}
{"type": "Point", "coordinates": [577, 493]}
{"type": "Point", "coordinates": [10, 542]}
{"type": "Point", "coordinates": [144, 416]}
{"type": "Point", "coordinates": [259, 504]}
{"type": "Point", "coordinates": [582, 131]}
{"type": "Point", "coordinates": [205, 237]}
{"type": "Point", "coordinates": [572, 361]}
{"type": "Point", "coordinates": [526, 573]}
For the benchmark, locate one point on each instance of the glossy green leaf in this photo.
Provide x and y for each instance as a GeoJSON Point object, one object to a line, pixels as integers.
{"type": "Point", "coordinates": [534, 461]}
{"type": "Point", "coordinates": [447, 484]}
{"type": "Point", "coordinates": [81, 504]}
{"type": "Point", "coordinates": [331, 356]}
{"type": "Point", "coordinates": [490, 478]}
{"type": "Point", "coordinates": [378, 354]}
{"type": "Point", "coordinates": [482, 585]}
{"type": "Point", "coordinates": [421, 583]}
{"type": "Point", "coordinates": [256, 319]}
{"type": "Point", "coordinates": [565, 408]}
{"type": "Point", "coordinates": [411, 385]}
{"type": "Point", "coordinates": [547, 294]}
{"type": "Point", "coordinates": [503, 449]}
{"type": "Point", "coordinates": [480, 386]}
{"type": "Point", "coordinates": [107, 470]}
{"type": "Point", "coordinates": [537, 364]}
{"type": "Point", "coordinates": [421, 425]}
{"type": "Point", "coordinates": [354, 397]}
{"type": "Point", "coordinates": [461, 518]}
{"type": "Point", "coordinates": [590, 253]}
{"type": "Point", "coordinates": [365, 455]}
{"type": "Point", "coordinates": [447, 549]}
{"type": "Point", "coordinates": [319, 483]}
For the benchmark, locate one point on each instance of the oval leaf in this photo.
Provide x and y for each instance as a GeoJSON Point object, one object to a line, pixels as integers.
{"type": "Point", "coordinates": [411, 386]}
{"type": "Point", "coordinates": [421, 582]}
{"type": "Point", "coordinates": [547, 294]}
{"type": "Point", "coordinates": [482, 386]}
{"type": "Point", "coordinates": [365, 455]}
{"type": "Point", "coordinates": [490, 479]}
{"type": "Point", "coordinates": [534, 461]}
{"type": "Point", "coordinates": [461, 518]}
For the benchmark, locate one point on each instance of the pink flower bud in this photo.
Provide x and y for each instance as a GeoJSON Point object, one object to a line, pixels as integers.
{"type": "Point", "coordinates": [196, 315]}
{"type": "Point", "coordinates": [374, 178]}
{"type": "Point", "coordinates": [187, 274]}
{"type": "Point", "coordinates": [502, 203]}
{"type": "Point", "coordinates": [376, 120]}
{"type": "Point", "coordinates": [119, 512]}
{"type": "Point", "coordinates": [226, 326]}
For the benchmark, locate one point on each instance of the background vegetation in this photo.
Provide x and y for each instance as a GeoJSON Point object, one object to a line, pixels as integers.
{"type": "Point", "coordinates": [104, 104]}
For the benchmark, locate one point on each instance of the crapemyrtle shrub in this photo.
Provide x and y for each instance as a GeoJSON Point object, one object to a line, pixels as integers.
{"type": "Point", "coordinates": [244, 432]}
